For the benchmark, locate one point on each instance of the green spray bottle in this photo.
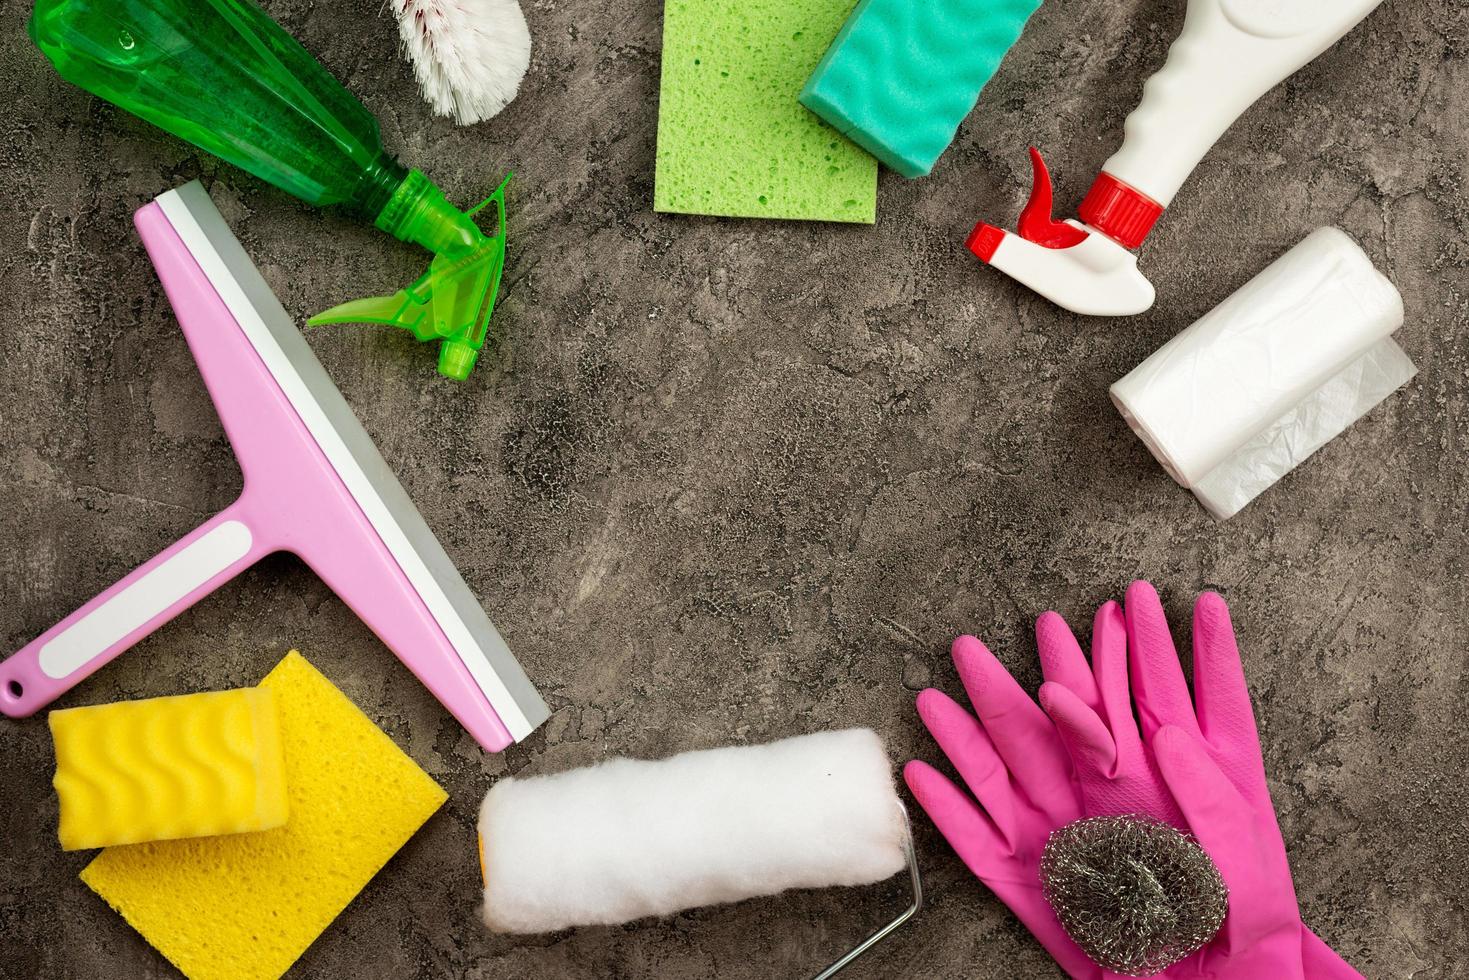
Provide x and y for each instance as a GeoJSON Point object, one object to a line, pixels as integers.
{"type": "Point", "coordinates": [224, 76]}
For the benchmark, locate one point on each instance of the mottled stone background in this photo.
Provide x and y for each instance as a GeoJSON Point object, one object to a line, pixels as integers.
{"type": "Point", "coordinates": [733, 480]}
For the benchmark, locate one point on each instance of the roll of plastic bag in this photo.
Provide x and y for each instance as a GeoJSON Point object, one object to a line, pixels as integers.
{"type": "Point", "coordinates": [1270, 375]}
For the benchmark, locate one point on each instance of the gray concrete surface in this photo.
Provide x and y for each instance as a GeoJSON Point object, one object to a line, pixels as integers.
{"type": "Point", "coordinates": [730, 480]}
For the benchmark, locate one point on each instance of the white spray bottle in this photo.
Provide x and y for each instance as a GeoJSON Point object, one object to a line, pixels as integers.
{"type": "Point", "coordinates": [1230, 53]}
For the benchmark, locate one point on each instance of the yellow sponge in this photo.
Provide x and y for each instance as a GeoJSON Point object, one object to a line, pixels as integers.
{"type": "Point", "coordinates": [246, 906]}
{"type": "Point", "coordinates": [168, 767]}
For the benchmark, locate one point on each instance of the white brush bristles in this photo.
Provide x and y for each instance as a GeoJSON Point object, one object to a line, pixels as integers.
{"type": "Point", "coordinates": [628, 839]}
{"type": "Point", "coordinates": [469, 55]}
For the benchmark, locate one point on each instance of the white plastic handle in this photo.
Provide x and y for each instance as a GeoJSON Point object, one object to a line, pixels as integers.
{"type": "Point", "coordinates": [155, 588]}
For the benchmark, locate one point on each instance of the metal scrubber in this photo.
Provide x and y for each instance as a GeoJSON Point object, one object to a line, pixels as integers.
{"type": "Point", "coordinates": [1135, 894]}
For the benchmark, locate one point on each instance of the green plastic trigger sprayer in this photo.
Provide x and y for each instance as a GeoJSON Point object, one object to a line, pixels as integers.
{"type": "Point", "coordinates": [224, 76]}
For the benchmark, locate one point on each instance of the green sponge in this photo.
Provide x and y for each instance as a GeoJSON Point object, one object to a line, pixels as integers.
{"type": "Point", "coordinates": [732, 139]}
{"type": "Point", "coordinates": [902, 74]}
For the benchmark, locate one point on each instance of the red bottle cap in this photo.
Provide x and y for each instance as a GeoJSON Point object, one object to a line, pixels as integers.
{"type": "Point", "coordinates": [1120, 212]}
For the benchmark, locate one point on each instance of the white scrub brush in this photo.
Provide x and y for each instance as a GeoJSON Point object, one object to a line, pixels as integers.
{"type": "Point", "coordinates": [469, 55]}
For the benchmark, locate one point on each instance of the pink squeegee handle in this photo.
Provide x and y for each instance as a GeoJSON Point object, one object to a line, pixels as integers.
{"type": "Point", "coordinates": [148, 597]}
{"type": "Point", "coordinates": [293, 500]}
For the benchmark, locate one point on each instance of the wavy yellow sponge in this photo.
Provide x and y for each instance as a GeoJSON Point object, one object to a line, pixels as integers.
{"type": "Point", "coordinates": [187, 766]}
{"type": "Point", "coordinates": [246, 906]}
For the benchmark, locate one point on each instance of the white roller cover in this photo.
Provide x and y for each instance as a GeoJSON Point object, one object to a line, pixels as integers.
{"type": "Point", "coordinates": [628, 839]}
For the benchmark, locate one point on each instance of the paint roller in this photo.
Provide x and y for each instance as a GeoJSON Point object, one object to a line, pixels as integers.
{"type": "Point", "coordinates": [315, 485]}
{"type": "Point", "coordinates": [628, 839]}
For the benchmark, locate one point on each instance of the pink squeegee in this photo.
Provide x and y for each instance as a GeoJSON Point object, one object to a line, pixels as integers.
{"type": "Point", "coordinates": [315, 485]}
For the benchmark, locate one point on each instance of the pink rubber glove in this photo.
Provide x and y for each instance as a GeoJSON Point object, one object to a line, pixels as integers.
{"type": "Point", "coordinates": [1210, 760]}
{"type": "Point", "coordinates": [1022, 784]}
{"type": "Point", "coordinates": [1010, 762]}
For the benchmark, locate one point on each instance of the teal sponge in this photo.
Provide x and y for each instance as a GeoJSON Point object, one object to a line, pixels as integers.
{"type": "Point", "coordinates": [902, 74]}
{"type": "Point", "coordinates": [732, 139]}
